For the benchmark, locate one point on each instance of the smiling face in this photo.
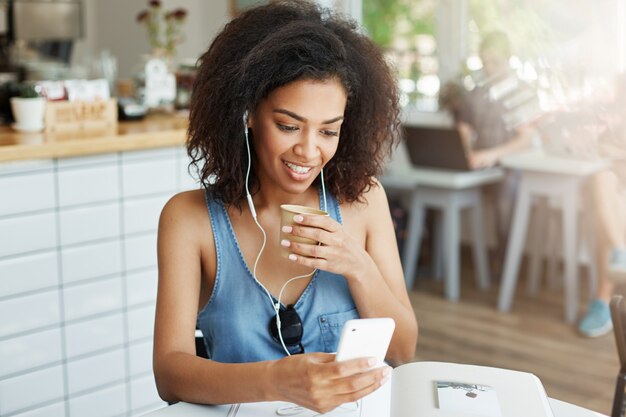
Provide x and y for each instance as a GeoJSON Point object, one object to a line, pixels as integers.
{"type": "Point", "coordinates": [296, 132]}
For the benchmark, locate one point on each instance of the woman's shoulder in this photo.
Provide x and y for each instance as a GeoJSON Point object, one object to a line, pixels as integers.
{"type": "Point", "coordinates": [186, 201]}
{"type": "Point", "coordinates": [372, 201]}
{"type": "Point", "coordinates": [185, 210]}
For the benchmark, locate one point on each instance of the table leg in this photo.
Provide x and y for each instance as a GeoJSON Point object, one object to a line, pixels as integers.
{"type": "Point", "coordinates": [514, 247]}
{"type": "Point", "coordinates": [570, 225]}
{"type": "Point", "coordinates": [479, 249]}
{"type": "Point", "coordinates": [410, 254]}
{"type": "Point", "coordinates": [438, 246]}
{"type": "Point", "coordinates": [451, 232]}
{"type": "Point", "coordinates": [555, 226]}
{"type": "Point", "coordinates": [537, 248]}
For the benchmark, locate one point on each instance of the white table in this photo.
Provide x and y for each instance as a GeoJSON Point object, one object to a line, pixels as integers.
{"type": "Point", "coordinates": [549, 176]}
{"type": "Point", "coordinates": [559, 408]}
{"type": "Point", "coordinates": [450, 192]}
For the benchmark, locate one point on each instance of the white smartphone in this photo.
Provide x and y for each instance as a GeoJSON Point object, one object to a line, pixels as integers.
{"type": "Point", "coordinates": [365, 338]}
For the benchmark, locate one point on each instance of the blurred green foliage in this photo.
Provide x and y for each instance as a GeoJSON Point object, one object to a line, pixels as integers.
{"type": "Point", "coordinates": [388, 21]}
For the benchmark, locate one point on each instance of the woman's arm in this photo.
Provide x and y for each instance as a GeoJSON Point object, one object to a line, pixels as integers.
{"type": "Point", "coordinates": [374, 272]}
{"type": "Point", "coordinates": [379, 287]}
{"type": "Point", "coordinates": [312, 380]}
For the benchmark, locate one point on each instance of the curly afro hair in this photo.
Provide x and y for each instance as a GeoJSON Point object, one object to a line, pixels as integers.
{"type": "Point", "coordinates": [268, 47]}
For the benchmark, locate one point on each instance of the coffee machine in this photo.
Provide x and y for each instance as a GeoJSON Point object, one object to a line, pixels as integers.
{"type": "Point", "coordinates": [49, 27]}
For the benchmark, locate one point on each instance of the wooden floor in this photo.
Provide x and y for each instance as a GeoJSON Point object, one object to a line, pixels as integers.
{"type": "Point", "coordinates": [533, 337]}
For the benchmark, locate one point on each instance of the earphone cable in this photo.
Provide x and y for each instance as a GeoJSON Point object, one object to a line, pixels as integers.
{"type": "Point", "coordinates": [254, 216]}
{"type": "Point", "coordinates": [323, 189]}
{"type": "Point", "coordinates": [276, 305]}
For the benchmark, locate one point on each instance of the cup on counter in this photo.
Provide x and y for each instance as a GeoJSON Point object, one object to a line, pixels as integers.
{"type": "Point", "coordinates": [287, 211]}
{"type": "Point", "coordinates": [28, 113]}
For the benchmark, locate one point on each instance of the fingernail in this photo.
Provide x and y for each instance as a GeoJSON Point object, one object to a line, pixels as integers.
{"type": "Point", "coordinates": [385, 380]}
{"type": "Point", "coordinates": [293, 257]}
{"type": "Point", "coordinates": [371, 362]}
{"type": "Point", "coordinates": [285, 243]}
{"type": "Point", "coordinates": [387, 372]}
{"type": "Point", "coordinates": [286, 229]}
{"type": "Point", "coordinates": [298, 218]}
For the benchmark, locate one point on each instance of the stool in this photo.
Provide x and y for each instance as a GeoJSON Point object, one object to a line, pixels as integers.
{"type": "Point", "coordinates": [450, 202]}
{"type": "Point", "coordinates": [554, 177]}
{"type": "Point", "coordinates": [450, 192]}
{"type": "Point", "coordinates": [545, 237]}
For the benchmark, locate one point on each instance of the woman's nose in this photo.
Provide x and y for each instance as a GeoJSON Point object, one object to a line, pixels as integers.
{"type": "Point", "coordinates": [307, 145]}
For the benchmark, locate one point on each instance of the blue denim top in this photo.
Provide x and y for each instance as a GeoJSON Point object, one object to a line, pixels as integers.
{"type": "Point", "coordinates": [235, 320]}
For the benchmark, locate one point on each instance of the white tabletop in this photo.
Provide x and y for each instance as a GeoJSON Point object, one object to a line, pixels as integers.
{"type": "Point", "coordinates": [540, 161]}
{"type": "Point", "coordinates": [559, 408]}
{"type": "Point", "coordinates": [455, 180]}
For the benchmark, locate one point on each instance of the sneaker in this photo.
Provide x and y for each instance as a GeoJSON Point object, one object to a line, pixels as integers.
{"type": "Point", "coordinates": [597, 321]}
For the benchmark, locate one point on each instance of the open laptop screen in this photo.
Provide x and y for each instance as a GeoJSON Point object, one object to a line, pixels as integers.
{"type": "Point", "coordinates": [436, 148]}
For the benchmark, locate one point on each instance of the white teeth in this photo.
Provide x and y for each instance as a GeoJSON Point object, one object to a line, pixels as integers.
{"type": "Point", "coordinates": [298, 168]}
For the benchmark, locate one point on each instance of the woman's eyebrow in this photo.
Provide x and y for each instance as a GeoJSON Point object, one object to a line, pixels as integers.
{"type": "Point", "coordinates": [304, 119]}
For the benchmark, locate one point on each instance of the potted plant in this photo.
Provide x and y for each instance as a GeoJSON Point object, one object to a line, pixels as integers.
{"type": "Point", "coordinates": [28, 109]}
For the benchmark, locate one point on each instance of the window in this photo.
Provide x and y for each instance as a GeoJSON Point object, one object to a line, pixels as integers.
{"type": "Point", "coordinates": [405, 29]}
{"type": "Point", "coordinates": [568, 48]}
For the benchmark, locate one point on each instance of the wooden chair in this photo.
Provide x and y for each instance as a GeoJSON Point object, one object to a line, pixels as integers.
{"type": "Point", "coordinates": [618, 315]}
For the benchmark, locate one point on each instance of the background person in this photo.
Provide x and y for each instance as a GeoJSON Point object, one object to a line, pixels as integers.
{"type": "Point", "coordinates": [606, 199]}
{"type": "Point", "coordinates": [494, 120]}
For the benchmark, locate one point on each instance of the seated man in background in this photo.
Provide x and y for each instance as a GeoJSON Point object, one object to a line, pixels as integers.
{"type": "Point", "coordinates": [494, 118]}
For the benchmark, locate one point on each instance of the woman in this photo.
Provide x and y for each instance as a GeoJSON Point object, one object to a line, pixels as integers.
{"type": "Point", "coordinates": [290, 106]}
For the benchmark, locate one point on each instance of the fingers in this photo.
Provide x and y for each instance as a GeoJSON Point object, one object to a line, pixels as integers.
{"type": "Point", "coordinates": [351, 367]}
{"type": "Point", "coordinates": [331, 370]}
{"type": "Point", "coordinates": [323, 384]}
{"type": "Point", "coordinates": [321, 222]}
{"type": "Point", "coordinates": [354, 385]}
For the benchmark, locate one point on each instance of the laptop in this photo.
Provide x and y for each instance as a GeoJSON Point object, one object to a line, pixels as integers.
{"type": "Point", "coordinates": [436, 148]}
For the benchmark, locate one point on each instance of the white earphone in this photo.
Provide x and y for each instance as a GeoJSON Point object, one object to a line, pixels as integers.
{"type": "Point", "coordinates": [276, 305]}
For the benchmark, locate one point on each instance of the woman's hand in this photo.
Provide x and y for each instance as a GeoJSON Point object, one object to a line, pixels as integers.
{"type": "Point", "coordinates": [317, 382]}
{"type": "Point", "coordinates": [337, 252]}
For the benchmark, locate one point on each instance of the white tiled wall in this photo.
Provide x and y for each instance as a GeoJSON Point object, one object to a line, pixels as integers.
{"type": "Point", "coordinates": [27, 234]}
{"type": "Point", "coordinates": [33, 350]}
{"type": "Point", "coordinates": [90, 223]}
{"type": "Point", "coordinates": [108, 402]}
{"type": "Point", "coordinates": [26, 390]}
{"type": "Point", "coordinates": [40, 195]}
{"type": "Point", "coordinates": [95, 371]}
{"type": "Point", "coordinates": [90, 336]}
{"type": "Point", "coordinates": [88, 184]}
{"type": "Point", "coordinates": [54, 410]}
{"type": "Point", "coordinates": [78, 281]}
{"type": "Point", "coordinates": [22, 274]}
{"type": "Point", "coordinates": [91, 261]}
{"type": "Point", "coordinates": [29, 313]}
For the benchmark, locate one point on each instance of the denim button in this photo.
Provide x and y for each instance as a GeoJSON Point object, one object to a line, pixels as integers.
{"type": "Point", "coordinates": [323, 319]}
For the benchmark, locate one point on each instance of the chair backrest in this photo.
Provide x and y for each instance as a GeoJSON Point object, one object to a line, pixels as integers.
{"type": "Point", "coordinates": [200, 348]}
{"type": "Point", "coordinates": [618, 315]}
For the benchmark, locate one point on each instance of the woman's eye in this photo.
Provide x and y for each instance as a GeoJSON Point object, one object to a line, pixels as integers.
{"type": "Point", "coordinates": [286, 128]}
{"type": "Point", "coordinates": [330, 133]}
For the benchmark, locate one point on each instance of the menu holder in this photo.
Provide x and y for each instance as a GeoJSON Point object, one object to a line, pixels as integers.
{"type": "Point", "coordinates": [80, 116]}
